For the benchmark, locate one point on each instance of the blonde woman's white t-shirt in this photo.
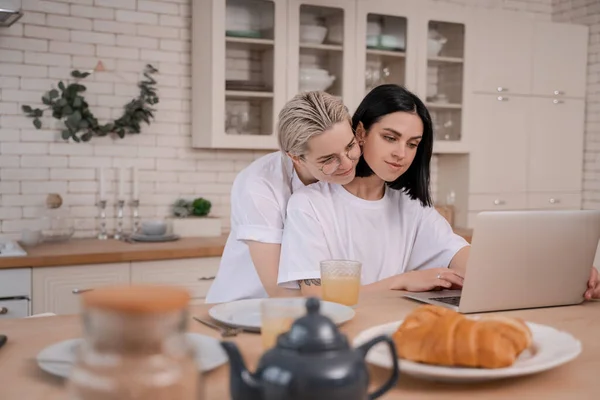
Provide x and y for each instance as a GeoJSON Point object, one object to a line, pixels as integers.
{"type": "Point", "coordinates": [259, 197]}
{"type": "Point", "coordinates": [388, 236]}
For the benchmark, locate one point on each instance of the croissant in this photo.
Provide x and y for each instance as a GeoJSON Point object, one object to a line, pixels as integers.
{"type": "Point", "coordinates": [440, 336]}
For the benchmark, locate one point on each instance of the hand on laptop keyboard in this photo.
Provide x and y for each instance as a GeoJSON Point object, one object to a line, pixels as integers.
{"type": "Point", "coordinates": [428, 279]}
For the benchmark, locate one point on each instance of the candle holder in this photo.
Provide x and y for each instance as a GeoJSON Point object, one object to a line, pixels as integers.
{"type": "Point", "coordinates": [119, 233]}
{"type": "Point", "coordinates": [136, 215]}
{"type": "Point", "coordinates": [102, 235]}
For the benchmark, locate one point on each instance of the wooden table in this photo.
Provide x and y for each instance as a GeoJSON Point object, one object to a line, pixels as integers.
{"type": "Point", "coordinates": [20, 378]}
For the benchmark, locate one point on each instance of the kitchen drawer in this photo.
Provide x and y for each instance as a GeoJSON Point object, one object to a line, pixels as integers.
{"type": "Point", "coordinates": [14, 308]}
{"type": "Point", "coordinates": [554, 201]}
{"type": "Point", "coordinates": [195, 274]}
{"type": "Point", "coordinates": [498, 201]}
{"type": "Point", "coordinates": [15, 282]}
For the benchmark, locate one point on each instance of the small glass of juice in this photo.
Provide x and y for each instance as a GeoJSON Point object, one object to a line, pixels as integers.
{"type": "Point", "coordinates": [340, 281]}
{"type": "Point", "coordinates": [277, 316]}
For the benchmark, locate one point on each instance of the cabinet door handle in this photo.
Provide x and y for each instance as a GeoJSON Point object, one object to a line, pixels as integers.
{"type": "Point", "coordinates": [78, 291]}
{"type": "Point", "coordinates": [553, 200]}
{"type": "Point", "coordinates": [557, 101]}
{"type": "Point", "coordinates": [207, 278]}
{"type": "Point", "coordinates": [502, 98]}
{"type": "Point", "coordinates": [3, 310]}
{"type": "Point", "coordinates": [501, 89]}
{"type": "Point", "coordinates": [498, 202]}
{"type": "Point", "coordinates": [558, 92]}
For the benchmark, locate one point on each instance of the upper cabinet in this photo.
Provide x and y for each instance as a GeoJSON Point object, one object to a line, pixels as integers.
{"type": "Point", "coordinates": [444, 32]}
{"type": "Point", "coordinates": [238, 72]}
{"type": "Point", "coordinates": [320, 53]}
{"type": "Point", "coordinates": [386, 44]}
{"type": "Point", "coordinates": [503, 53]}
{"type": "Point", "coordinates": [559, 60]}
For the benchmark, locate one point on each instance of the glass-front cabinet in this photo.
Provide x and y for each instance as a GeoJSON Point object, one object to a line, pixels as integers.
{"type": "Point", "coordinates": [320, 47]}
{"type": "Point", "coordinates": [385, 45]}
{"type": "Point", "coordinates": [238, 72]}
{"type": "Point", "coordinates": [442, 68]}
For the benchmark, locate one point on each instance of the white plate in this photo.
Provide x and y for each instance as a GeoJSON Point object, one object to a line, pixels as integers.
{"type": "Point", "coordinates": [246, 313]}
{"type": "Point", "coordinates": [550, 349]}
{"type": "Point", "coordinates": [57, 359]}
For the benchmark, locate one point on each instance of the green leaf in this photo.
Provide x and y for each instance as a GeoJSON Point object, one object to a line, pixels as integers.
{"type": "Point", "coordinates": [65, 134]}
{"type": "Point", "coordinates": [37, 123]}
{"type": "Point", "coordinates": [37, 112]}
{"type": "Point", "coordinates": [26, 109]}
{"type": "Point", "coordinates": [62, 102]}
{"type": "Point", "coordinates": [78, 102]}
{"type": "Point", "coordinates": [74, 119]}
{"type": "Point", "coordinates": [83, 124]}
{"type": "Point", "coordinates": [85, 74]}
{"type": "Point", "coordinates": [75, 138]}
{"type": "Point", "coordinates": [46, 101]}
{"type": "Point", "coordinates": [61, 85]}
{"type": "Point", "coordinates": [53, 94]}
{"type": "Point", "coordinates": [66, 110]}
{"type": "Point", "coordinates": [86, 136]}
{"type": "Point", "coordinates": [121, 133]}
{"type": "Point", "coordinates": [76, 74]}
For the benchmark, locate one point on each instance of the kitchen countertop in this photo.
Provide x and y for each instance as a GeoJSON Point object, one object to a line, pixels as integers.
{"type": "Point", "coordinates": [94, 251]}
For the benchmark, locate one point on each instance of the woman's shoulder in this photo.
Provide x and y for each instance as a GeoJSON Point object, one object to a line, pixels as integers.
{"type": "Point", "coordinates": [310, 194]}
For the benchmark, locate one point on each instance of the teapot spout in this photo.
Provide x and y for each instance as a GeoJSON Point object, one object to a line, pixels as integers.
{"type": "Point", "coordinates": [243, 385]}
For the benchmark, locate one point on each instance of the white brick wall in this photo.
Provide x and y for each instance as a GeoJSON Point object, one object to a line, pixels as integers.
{"type": "Point", "coordinates": [55, 37]}
{"type": "Point", "coordinates": [587, 12]}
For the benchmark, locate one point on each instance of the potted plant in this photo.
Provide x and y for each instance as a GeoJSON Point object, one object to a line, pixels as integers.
{"type": "Point", "coordinates": [190, 218]}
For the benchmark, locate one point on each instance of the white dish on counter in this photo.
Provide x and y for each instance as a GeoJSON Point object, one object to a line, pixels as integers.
{"type": "Point", "coordinates": [550, 349]}
{"type": "Point", "coordinates": [58, 358]}
{"type": "Point", "coordinates": [246, 314]}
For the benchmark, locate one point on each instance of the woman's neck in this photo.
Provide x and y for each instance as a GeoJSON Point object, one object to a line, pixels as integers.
{"type": "Point", "coordinates": [305, 177]}
{"type": "Point", "coordinates": [369, 188]}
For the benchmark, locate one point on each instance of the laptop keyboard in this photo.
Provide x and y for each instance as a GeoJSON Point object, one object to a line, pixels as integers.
{"type": "Point", "coordinates": [454, 300]}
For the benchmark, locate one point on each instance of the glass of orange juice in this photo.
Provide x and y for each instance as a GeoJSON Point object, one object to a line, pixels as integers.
{"type": "Point", "coordinates": [277, 316]}
{"type": "Point", "coordinates": [340, 281]}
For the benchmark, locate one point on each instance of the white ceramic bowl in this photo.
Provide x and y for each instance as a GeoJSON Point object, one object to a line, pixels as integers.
{"type": "Point", "coordinates": [434, 46]}
{"type": "Point", "coordinates": [314, 79]}
{"type": "Point", "coordinates": [312, 34]}
{"type": "Point", "coordinates": [154, 227]}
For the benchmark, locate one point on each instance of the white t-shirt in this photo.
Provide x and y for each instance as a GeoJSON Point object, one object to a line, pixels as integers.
{"type": "Point", "coordinates": [388, 236]}
{"type": "Point", "coordinates": [259, 197]}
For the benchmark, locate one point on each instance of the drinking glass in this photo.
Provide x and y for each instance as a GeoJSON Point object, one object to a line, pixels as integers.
{"type": "Point", "coordinates": [340, 281]}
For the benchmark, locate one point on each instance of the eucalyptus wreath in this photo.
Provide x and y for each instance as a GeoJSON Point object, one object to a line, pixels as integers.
{"type": "Point", "coordinates": [68, 104]}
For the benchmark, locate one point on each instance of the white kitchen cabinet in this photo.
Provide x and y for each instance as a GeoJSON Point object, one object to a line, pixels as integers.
{"type": "Point", "coordinates": [503, 47]}
{"type": "Point", "coordinates": [238, 74]}
{"type": "Point", "coordinates": [195, 274]}
{"type": "Point", "coordinates": [14, 308]}
{"type": "Point", "coordinates": [556, 144]}
{"type": "Point", "coordinates": [15, 282]}
{"type": "Point", "coordinates": [559, 59]}
{"type": "Point", "coordinates": [52, 287]}
{"type": "Point", "coordinates": [554, 201]}
{"type": "Point", "coordinates": [500, 126]}
{"type": "Point", "coordinates": [336, 54]}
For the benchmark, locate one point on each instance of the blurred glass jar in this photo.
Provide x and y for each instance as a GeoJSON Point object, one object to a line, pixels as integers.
{"type": "Point", "coordinates": [134, 346]}
{"type": "Point", "coordinates": [56, 223]}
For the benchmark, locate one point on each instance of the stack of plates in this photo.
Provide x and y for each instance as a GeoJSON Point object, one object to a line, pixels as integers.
{"type": "Point", "coordinates": [140, 237]}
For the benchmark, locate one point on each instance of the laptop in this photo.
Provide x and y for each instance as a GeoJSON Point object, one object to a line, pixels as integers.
{"type": "Point", "coordinates": [524, 259]}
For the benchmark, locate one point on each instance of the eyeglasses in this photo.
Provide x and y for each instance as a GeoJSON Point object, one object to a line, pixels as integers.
{"type": "Point", "coordinates": [330, 166]}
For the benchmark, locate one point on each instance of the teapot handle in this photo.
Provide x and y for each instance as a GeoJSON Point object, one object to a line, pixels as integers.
{"type": "Point", "coordinates": [395, 369]}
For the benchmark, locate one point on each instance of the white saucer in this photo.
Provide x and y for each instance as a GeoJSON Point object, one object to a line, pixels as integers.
{"type": "Point", "coordinates": [246, 314]}
{"type": "Point", "coordinates": [58, 358]}
{"type": "Point", "coordinates": [550, 349]}
{"type": "Point", "coordinates": [140, 237]}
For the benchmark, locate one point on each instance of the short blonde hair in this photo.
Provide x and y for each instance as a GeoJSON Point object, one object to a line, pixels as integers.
{"type": "Point", "coordinates": [306, 115]}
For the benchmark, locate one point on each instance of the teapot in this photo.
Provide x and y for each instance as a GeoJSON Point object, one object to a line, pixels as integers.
{"type": "Point", "coordinates": [313, 360]}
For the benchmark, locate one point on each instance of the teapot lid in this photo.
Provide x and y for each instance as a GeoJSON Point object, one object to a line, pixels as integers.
{"type": "Point", "coordinates": [313, 332]}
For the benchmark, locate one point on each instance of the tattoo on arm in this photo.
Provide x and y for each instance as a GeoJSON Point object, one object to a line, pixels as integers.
{"type": "Point", "coordinates": [309, 282]}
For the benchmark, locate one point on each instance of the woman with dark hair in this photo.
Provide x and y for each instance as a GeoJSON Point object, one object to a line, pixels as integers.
{"type": "Point", "coordinates": [383, 218]}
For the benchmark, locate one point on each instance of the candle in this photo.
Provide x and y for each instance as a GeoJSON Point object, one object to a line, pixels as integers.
{"type": "Point", "coordinates": [102, 187]}
{"type": "Point", "coordinates": [136, 189]}
{"type": "Point", "coordinates": [121, 184]}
